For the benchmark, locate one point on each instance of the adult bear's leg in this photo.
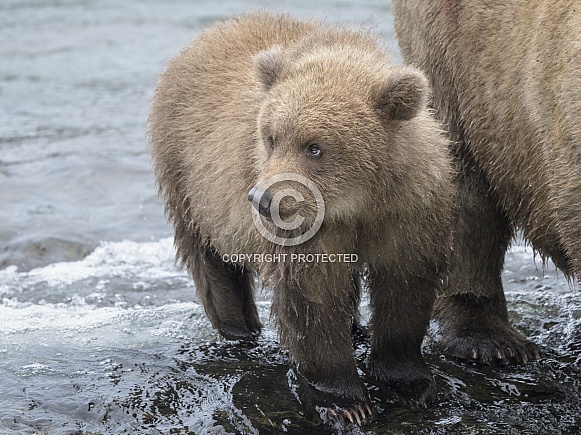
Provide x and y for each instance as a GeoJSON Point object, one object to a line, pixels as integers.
{"type": "Point", "coordinates": [470, 315]}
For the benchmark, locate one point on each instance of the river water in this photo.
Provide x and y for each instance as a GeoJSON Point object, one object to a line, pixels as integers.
{"type": "Point", "coordinates": [100, 333]}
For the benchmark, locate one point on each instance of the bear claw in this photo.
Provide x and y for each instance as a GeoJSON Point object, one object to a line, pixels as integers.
{"type": "Point", "coordinates": [473, 328]}
{"type": "Point", "coordinates": [357, 415]}
{"type": "Point", "coordinates": [527, 352]}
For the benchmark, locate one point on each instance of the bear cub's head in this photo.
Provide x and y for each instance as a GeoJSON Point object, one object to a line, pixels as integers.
{"type": "Point", "coordinates": [330, 126]}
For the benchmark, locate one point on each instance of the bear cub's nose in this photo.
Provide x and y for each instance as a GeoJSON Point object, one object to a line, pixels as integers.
{"type": "Point", "coordinates": [261, 199]}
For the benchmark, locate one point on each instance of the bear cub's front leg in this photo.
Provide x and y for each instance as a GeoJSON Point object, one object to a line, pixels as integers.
{"type": "Point", "coordinates": [318, 336]}
{"type": "Point", "coordinates": [401, 314]}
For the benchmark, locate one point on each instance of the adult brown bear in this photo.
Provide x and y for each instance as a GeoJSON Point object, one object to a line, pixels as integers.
{"type": "Point", "coordinates": [324, 112]}
{"type": "Point", "coordinates": [506, 79]}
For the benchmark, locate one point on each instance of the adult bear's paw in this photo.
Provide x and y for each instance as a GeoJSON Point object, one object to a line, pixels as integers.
{"type": "Point", "coordinates": [477, 329]}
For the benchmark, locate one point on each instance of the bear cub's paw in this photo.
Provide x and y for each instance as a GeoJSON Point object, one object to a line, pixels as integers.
{"type": "Point", "coordinates": [328, 405]}
{"type": "Point", "coordinates": [408, 381]}
{"type": "Point", "coordinates": [235, 332]}
{"type": "Point", "coordinates": [354, 415]}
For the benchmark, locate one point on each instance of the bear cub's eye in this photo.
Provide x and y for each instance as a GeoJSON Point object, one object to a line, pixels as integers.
{"type": "Point", "coordinates": [314, 151]}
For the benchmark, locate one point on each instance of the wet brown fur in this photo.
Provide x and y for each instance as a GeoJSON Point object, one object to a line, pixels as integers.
{"type": "Point", "coordinates": [385, 177]}
{"type": "Point", "coordinates": [506, 79]}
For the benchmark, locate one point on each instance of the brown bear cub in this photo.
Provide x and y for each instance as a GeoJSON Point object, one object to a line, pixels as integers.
{"type": "Point", "coordinates": [314, 124]}
{"type": "Point", "coordinates": [506, 79]}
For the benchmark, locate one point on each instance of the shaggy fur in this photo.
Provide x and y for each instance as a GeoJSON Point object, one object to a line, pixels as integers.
{"type": "Point", "coordinates": [506, 80]}
{"type": "Point", "coordinates": [242, 103]}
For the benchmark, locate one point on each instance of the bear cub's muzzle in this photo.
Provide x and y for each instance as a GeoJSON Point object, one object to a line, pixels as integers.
{"type": "Point", "coordinates": [261, 200]}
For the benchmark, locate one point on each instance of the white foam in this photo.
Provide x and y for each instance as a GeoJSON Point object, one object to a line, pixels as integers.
{"type": "Point", "coordinates": [139, 263]}
{"type": "Point", "coordinates": [58, 326]}
{"type": "Point", "coordinates": [54, 304]}
{"type": "Point", "coordinates": [127, 258]}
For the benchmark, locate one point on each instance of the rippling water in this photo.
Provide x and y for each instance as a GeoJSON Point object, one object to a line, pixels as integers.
{"type": "Point", "coordinates": [101, 333]}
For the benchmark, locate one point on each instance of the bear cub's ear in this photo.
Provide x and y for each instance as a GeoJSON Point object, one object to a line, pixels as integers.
{"type": "Point", "coordinates": [402, 95]}
{"type": "Point", "coordinates": [269, 65]}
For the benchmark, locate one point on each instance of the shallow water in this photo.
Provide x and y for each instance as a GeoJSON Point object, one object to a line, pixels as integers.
{"type": "Point", "coordinates": [101, 333]}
